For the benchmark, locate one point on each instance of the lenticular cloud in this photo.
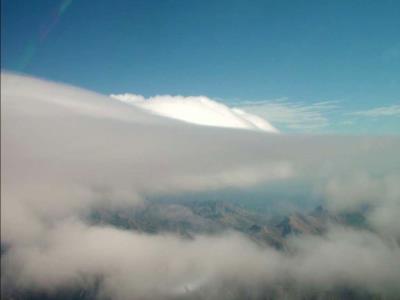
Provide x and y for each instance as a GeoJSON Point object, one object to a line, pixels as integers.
{"type": "Point", "coordinates": [198, 110]}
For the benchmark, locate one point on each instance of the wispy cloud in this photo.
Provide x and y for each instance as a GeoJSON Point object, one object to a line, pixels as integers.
{"type": "Point", "coordinates": [382, 111]}
{"type": "Point", "coordinates": [294, 116]}
{"type": "Point", "coordinates": [391, 53]}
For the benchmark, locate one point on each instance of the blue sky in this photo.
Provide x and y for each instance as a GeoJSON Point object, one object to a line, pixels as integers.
{"type": "Point", "coordinates": [307, 66]}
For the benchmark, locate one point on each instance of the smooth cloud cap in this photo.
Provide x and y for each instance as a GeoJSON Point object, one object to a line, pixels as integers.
{"type": "Point", "coordinates": [198, 110]}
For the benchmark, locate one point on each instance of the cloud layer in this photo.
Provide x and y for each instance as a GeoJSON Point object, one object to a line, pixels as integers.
{"type": "Point", "coordinates": [67, 151]}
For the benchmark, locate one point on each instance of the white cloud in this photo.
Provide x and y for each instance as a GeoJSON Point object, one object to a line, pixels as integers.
{"type": "Point", "coordinates": [383, 111]}
{"type": "Point", "coordinates": [198, 110]}
{"type": "Point", "coordinates": [66, 151]}
{"type": "Point", "coordinates": [134, 265]}
{"type": "Point", "coordinates": [295, 116]}
{"type": "Point", "coordinates": [354, 190]}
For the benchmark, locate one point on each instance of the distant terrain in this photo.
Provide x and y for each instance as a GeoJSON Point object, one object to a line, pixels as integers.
{"type": "Point", "coordinates": [191, 218]}
{"type": "Point", "coordinates": [188, 218]}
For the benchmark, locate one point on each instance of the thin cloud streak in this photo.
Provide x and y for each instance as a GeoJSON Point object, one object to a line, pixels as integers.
{"type": "Point", "coordinates": [382, 111]}
{"type": "Point", "coordinates": [294, 116]}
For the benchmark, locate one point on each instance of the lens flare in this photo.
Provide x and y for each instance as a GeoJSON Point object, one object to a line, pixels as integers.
{"type": "Point", "coordinates": [34, 44]}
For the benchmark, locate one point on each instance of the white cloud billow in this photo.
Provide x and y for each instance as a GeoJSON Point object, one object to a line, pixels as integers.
{"type": "Point", "coordinates": [199, 110]}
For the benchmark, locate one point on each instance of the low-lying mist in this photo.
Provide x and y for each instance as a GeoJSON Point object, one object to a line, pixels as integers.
{"type": "Point", "coordinates": [67, 152]}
